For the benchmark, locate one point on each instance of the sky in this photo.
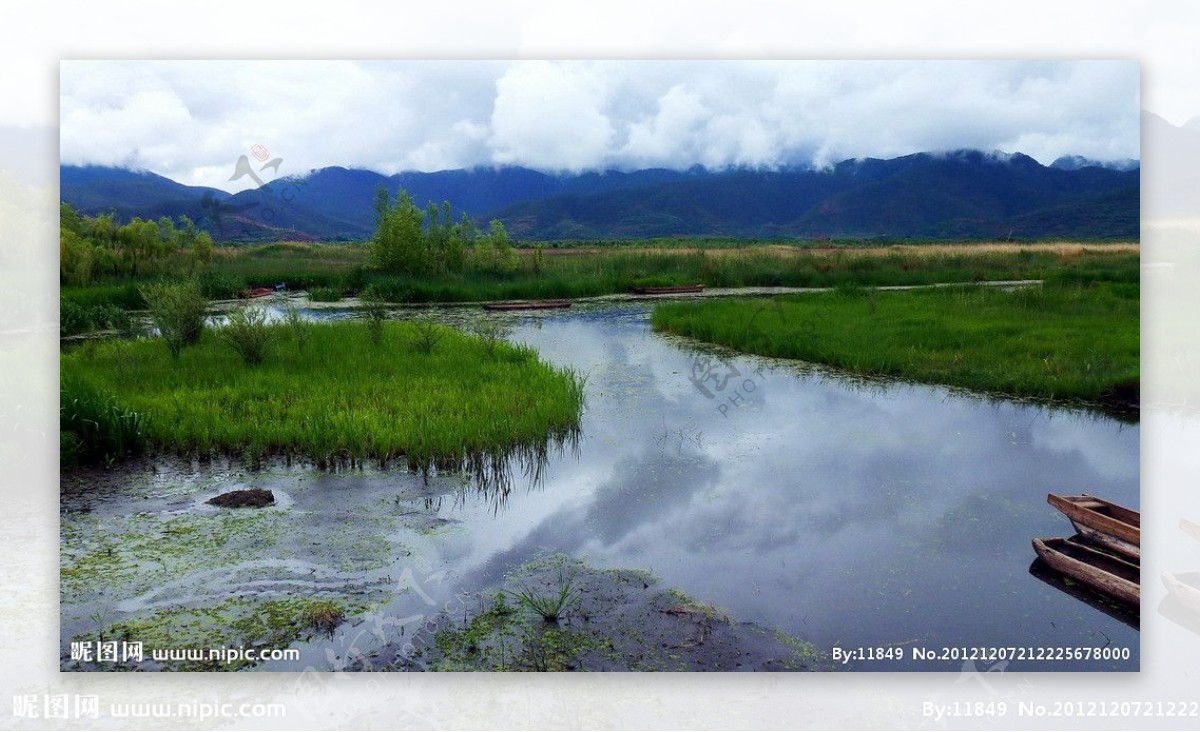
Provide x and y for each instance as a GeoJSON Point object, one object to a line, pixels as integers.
{"type": "Point", "coordinates": [191, 120]}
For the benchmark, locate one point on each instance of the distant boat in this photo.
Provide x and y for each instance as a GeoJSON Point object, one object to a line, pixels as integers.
{"type": "Point", "coordinates": [1102, 572]}
{"type": "Point", "coordinates": [1184, 587]}
{"type": "Point", "coordinates": [537, 305]}
{"type": "Point", "coordinates": [1191, 528]}
{"type": "Point", "coordinates": [254, 292]}
{"type": "Point", "coordinates": [670, 290]}
{"type": "Point", "coordinates": [1113, 527]}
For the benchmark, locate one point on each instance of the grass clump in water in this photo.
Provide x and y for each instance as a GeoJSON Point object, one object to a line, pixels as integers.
{"type": "Point", "coordinates": [341, 396]}
{"type": "Point", "coordinates": [551, 606]}
{"type": "Point", "coordinates": [1065, 342]}
{"type": "Point", "coordinates": [249, 333]}
{"type": "Point", "coordinates": [178, 311]}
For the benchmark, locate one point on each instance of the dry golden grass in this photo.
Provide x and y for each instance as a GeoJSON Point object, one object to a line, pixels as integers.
{"type": "Point", "coordinates": [790, 250]}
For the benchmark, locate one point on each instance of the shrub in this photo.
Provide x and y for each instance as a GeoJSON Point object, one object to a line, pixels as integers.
{"type": "Point", "coordinates": [249, 333]}
{"type": "Point", "coordinates": [75, 319]}
{"type": "Point", "coordinates": [178, 311]}
{"type": "Point", "coordinates": [427, 335]}
{"type": "Point", "coordinates": [300, 328]}
{"type": "Point", "coordinates": [376, 314]}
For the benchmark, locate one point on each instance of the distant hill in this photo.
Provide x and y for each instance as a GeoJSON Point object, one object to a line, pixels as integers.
{"type": "Point", "coordinates": [1172, 183]}
{"type": "Point", "coordinates": [964, 194]}
{"type": "Point", "coordinates": [960, 195]}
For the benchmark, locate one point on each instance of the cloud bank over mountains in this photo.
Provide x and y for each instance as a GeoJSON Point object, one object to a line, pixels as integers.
{"type": "Point", "coordinates": [190, 120]}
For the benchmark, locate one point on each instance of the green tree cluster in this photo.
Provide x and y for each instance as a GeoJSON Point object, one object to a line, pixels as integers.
{"type": "Point", "coordinates": [412, 241]}
{"type": "Point", "coordinates": [91, 247]}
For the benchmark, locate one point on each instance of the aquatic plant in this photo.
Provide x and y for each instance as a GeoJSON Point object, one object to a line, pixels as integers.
{"type": "Point", "coordinates": [323, 616]}
{"type": "Point", "coordinates": [551, 606]}
{"type": "Point", "coordinates": [324, 294]}
{"type": "Point", "coordinates": [178, 311]}
{"type": "Point", "coordinates": [248, 332]}
{"type": "Point", "coordinates": [1058, 341]}
{"type": "Point", "coordinates": [341, 398]}
{"type": "Point", "coordinates": [579, 269]}
{"type": "Point", "coordinates": [300, 328]}
{"type": "Point", "coordinates": [95, 427]}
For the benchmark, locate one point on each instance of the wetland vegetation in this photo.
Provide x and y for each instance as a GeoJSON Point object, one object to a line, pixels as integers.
{"type": "Point", "coordinates": [378, 384]}
{"type": "Point", "coordinates": [338, 395]}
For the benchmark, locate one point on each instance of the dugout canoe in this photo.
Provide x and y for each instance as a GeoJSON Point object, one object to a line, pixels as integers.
{"type": "Point", "coordinates": [1113, 527]}
{"type": "Point", "coordinates": [671, 290]}
{"type": "Point", "coordinates": [1102, 572]}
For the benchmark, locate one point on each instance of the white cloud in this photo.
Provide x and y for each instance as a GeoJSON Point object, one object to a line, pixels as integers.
{"type": "Point", "coordinates": [551, 115]}
{"type": "Point", "coordinates": [191, 120]}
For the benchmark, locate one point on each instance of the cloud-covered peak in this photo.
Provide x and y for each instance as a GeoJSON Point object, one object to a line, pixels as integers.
{"type": "Point", "coordinates": [191, 120]}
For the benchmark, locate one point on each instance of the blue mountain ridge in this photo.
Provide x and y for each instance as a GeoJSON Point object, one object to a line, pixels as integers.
{"type": "Point", "coordinates": [958, 194]}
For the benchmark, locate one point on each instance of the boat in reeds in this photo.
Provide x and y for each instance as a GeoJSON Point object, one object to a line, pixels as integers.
{"type": "Point", "coordinates": [1098, 570]}
{"type": "Point", "coordinates": [669, 290]}
{"type": "Point", "coordinates": [1184, 587]}
{"type": "Point", "coordinates": [254, 292]}
{"type": "Point", "coordinates": [537, 305]}
{"type": "Point", "coordinates": [1113, 527]}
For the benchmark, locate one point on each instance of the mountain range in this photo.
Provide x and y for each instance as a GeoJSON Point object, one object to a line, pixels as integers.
{"type": "Point", "coordinates": [964, 194]}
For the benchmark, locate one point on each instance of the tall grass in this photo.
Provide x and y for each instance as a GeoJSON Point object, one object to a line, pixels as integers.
{"type": "Point", "coordinates": [249, 334]}
{"type": "Point", "coordinates": [1058, 342]}
{"type": "Point", "coordinates": [94, 427]}
{"type": "Point", "coordinates": [341, 396]}
{"type": "Point", "coordinates": [568, 273]}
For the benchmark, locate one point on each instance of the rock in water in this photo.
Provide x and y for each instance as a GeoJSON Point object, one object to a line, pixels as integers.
{"type": "Point", "coordinates": [250, 498]}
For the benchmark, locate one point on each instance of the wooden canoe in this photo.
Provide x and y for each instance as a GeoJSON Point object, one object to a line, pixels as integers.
{"type": "Point", "coordinates": [259, 292]}
{"type": "Point", "coordinates": [1102, 572]}
{"type": "Point", "coordinates": [540, 305]}
{"type": "Point", "coordinates": [670, 290]}
{"type": "Point", "coordinates": [1113, 527]}
{"type": "Point", "coordinates": [1184, 587]}
{"type": "Point", "coordinates": [1126, 614]}
{"type": "Point", "coordinates": [1191, 528]}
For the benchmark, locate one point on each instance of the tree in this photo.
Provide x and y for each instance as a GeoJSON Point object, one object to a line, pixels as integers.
{"type": "Point", "coordinates": [398, 245]}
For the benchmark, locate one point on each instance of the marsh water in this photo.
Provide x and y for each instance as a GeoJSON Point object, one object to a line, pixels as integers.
{"type": "Point", "coordinates": [850, 513]}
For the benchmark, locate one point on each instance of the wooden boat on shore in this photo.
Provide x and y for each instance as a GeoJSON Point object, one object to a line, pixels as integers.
{"type": "Point", "coordinates": [1102, 572]}
{"type": "Point", "coordinates": [1113, 527]}
{"type": "Point", "coordinates": [255, 292]}
{"type": "Point", "coordinates": [538, 305]}
{"type": "Point", "coordinates": [669, 290]}
{"type": "Point", "coordinates": [1184, 587]}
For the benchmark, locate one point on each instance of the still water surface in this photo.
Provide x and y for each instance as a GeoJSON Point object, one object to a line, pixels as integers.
{"type": "Point", "coordinates": [846, 512]}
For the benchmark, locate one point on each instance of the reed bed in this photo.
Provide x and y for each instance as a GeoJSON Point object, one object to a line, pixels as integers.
{"type": "Point", "coordinates": [339, 396]}
{"type": "Point", "coordinates": [1061, 341]}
